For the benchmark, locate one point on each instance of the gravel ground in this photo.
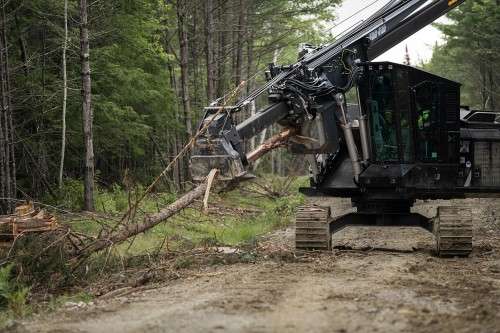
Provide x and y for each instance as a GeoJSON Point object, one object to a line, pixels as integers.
{"type": "Point", "coordinates": [388, 281]}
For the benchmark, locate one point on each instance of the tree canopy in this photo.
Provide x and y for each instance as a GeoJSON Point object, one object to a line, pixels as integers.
{"type": "Point", "coordinates": [471, 53]}
{"type": "Point", "coordinates": [136, 60]}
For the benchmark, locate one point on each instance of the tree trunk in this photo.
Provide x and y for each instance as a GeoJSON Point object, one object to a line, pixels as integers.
{"type": "Point", "coordinates": [87, 109]}
{"type": "Point", "coordinates": [250, 70]}
{"type": "Point", "coordinates": [65, 94]}
{"type": "Point", "coordinates": [22, 46]}
{"type": "Point", "coordinates": [239, 44]}
{"type": "Point", "coordinates": [274, 142]}
{"type": "Point", "coordinates": [221, 53]}
{"type": "Point", "coordinates": [7, 156]}
{"type": "Point", "coordinates": [177, 176]}
{"type": "Point", "coordinates": [194, 74]}
{"type": "Point", "coordinates": [183, 42]}
{"type": "Point", "coordinates": [209, 49]}
{"type": "Point", "coordinates": [4, 157]}
{"type": "Point", "coordinates": [492, 89]}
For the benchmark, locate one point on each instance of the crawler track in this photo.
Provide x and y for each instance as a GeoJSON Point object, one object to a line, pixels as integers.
{"type": "Point", "coordinates": [453, 230]}
{"type": "Point", "coordinates": [312, 228]}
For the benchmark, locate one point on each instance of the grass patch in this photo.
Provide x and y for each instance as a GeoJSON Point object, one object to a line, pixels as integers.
{"type": "Point", "coordinates": [193, 228]}
{"type": "Point", "coordinates": [13, 295]}
{"type": "Point", "coordinates": [232, 226]}
{"type": "Point", "coordinates": [236, 218]}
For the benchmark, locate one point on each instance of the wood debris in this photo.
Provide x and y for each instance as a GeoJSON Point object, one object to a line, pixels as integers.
{"type": "Point", "coordinates": [26, 219]}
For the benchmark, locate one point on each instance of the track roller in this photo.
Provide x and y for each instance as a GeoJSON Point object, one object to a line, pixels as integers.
{"type": "Point", "coordinates": [453, 231]}
{"type": "Point", "coordinates": [312, 228]}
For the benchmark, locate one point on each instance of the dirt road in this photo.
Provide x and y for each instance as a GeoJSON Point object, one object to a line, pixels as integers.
{"type": "Point", "coordinates": [388, 282]}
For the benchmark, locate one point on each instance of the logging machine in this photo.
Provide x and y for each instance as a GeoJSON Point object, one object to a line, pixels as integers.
{"type": "Point", "coordinates": [407, 138]}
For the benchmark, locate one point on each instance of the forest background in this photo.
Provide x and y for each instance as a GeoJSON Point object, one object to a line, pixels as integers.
{"type": "Point", "coordinates": [154, 65]}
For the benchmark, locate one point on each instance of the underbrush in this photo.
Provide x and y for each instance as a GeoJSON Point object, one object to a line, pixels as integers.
{"type": "Point", "coordinates": [13, 295]}
{"type": "Point", "coordinates": [235, 219]}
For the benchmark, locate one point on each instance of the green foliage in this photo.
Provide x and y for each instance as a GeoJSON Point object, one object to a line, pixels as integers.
{"type": "Point", "coordinates": [69, 196]}
{"type": "Point", "coordinates": [12, 295]}
{"type": "Point", "coordinates": [114, 200]}
{"type": "Point", "coordinates": [43, 265]}
{"type": "Point", "coordinates": [471, 54]}
{"type": "Point", "coordinates": [193, 228]}
{"type": "Point", "coordinates": [135, 67]}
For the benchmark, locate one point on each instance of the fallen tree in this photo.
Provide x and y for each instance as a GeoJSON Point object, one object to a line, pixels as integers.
{"type": "Point", "coordinates": [129, 230]}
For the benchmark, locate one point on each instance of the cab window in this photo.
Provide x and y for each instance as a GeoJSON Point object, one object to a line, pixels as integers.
{"type": "Point", "coordinates": [383, 117]}
{"type": "Point", "coordinates": [427, 107]}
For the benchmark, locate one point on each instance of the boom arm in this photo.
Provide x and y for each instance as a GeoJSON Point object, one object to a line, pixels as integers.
{"type": "Point", "coordinates": [305, 95]}
{"type": "Point", "coordinates": [393, 23]}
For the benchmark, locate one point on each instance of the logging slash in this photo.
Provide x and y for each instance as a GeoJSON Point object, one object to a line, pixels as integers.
{"type": "Point", "coordinates": [126, 231]}
{"type": "Point", "coordinates": [130, 230]}
{"type": "Point", "coordinates": [27, 219]}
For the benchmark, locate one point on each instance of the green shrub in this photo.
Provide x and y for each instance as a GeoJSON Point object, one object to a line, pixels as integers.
{"type": "Point", "coordinates": [69, 196]}
{"type": "Point", "coordinates": [12, 295]}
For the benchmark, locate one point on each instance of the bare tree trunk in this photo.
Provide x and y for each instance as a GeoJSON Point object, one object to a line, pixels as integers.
{"type": "Point", "coordinates": [4, 157]}
{"type": "Point", "coordinates": [7, 156]}
{"type": "Point", "coordinates": [22, 46]}
{"type": "Point", "coordinates": [262, 140]}
{"type": "Point", "coordinates": [65, 94]}
{"type": "Point", "coordinates": [10, 110]}
{"type": "Point", "coordinates": [87, 109]}
{"type": "Point", "coordinates": [239, 43]}
{"type": "Point", "coordinates": [177, 175]}
{"type": "Point", "coordinates": [183, 42]}
{"type": "Point", "coordinates": [197, 99]}
{"type": "Point", "coordinates": [484, 91]}
{"type": "Point", "coordinates": [209, 49]}
{"type": "Point", "coordinates": [250, 70]}
{"type": "Point", "coordinates": [221, 52]}
{"type": "Point", "coordinates": [492, 89]}
{"type": "Point", "coordinates": [184, 57]}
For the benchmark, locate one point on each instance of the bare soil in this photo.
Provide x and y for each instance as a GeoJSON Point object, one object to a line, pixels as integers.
{"type": "Point", "coordinates": [383, 280]}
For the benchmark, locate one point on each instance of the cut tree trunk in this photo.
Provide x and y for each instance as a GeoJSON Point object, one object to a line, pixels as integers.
{"type": "Point", "coordinates": [26, 219]}
{"type": "Point", "coordinates": [274, 142]}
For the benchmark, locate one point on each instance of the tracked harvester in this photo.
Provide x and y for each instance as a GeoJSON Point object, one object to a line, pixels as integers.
{"type": "Point", "coordinates": [406, 139]}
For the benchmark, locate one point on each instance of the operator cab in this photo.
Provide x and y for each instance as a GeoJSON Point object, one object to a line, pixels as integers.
{"type": "Point", "coordinates": [414, 127]}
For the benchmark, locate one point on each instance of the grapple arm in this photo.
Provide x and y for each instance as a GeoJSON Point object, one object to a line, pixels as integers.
{"type": "Point", "coordinates": [221, 146]}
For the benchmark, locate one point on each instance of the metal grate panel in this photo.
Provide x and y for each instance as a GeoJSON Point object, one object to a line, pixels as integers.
{"type": "Point", "coordinates": [487, 160]}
